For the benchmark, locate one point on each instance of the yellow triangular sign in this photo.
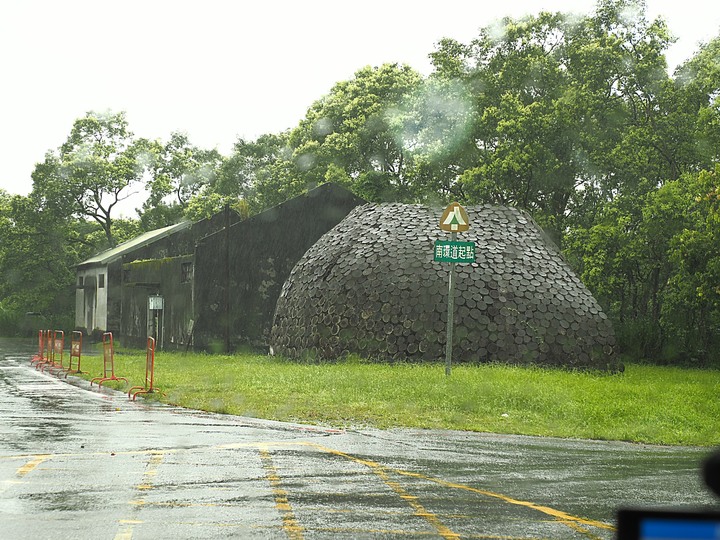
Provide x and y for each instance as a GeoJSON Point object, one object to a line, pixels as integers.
{"type": "Point", "coordinates": [454, 219]}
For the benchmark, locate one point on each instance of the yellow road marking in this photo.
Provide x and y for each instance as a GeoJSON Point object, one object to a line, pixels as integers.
{"type": "Point", "coordinates": [381, 471]}
{"type": "Point", "coordinates": [563, 517]}
{"type": "Point", "coordinates": [32, 464]}
{"type": "Point", "coordinates": [557, 514]}
{"type": "Point", "coordinates": [420, 510]}
{"type": "Point", "coordinates": [363, 533]}
{"type": "Point", "coordinates": [126, 533]}
{"type": "Point", "coordinates": [290, 524]}
{"type": "Point", "coordinates": [151, 471]}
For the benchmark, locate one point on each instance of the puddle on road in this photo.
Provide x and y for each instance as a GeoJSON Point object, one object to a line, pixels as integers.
{"type": "Point", "coordinates": [65, 501]}
{"type": "Point", "coordinates": [44, 430]}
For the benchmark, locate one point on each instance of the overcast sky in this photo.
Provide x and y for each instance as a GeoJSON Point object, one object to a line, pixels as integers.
{"type": "Point", "coordinates": [219, 70]}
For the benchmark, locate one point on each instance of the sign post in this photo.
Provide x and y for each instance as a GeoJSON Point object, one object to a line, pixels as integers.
{"type": "Point", "coordinates": [453, 220]}
{"type": "Point", "coordinates": [450, 315]}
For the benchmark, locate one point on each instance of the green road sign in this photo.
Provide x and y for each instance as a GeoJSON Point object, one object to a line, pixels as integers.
{"type": "Point", "coordinates": [454, 252]}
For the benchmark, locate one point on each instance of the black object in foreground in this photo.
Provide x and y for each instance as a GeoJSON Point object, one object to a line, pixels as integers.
{"type": "Point", "coordinates": [674, 524]}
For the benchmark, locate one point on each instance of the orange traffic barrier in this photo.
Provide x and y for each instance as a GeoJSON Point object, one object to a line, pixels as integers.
{"type": "Point", "coordinates": [108, 362]}
{"type": "Point", "coordinates": [40, 356]}
{"type": "Point", "coordinates": [149, 373]}
{"type": "Point", "coordinates": [49, 353]}
{"type": "Point", "coordinates": [75, 352]}
{"type": "Point", "coordinates": [56, 356]}
{"type": "Point", "coordinates": [46, 358]}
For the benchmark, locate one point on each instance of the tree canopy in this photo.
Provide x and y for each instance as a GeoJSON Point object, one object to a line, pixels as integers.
{"type": "Point", "coordinates": [96, 168]}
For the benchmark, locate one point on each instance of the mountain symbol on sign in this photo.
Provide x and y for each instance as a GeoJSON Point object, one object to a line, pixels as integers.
{"type": "Point", "coordinates": [454, 219]}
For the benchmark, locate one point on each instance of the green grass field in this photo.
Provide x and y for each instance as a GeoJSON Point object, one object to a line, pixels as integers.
{"type": "Point", "coordinates": [660, 405]}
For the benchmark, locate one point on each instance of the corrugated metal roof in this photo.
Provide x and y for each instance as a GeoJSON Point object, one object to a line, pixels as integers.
{"type": "Point", "coordinates": [108, 256]}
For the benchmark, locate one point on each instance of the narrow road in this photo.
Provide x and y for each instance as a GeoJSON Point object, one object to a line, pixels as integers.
{"type": "Point", "coordinates": [82, 463]}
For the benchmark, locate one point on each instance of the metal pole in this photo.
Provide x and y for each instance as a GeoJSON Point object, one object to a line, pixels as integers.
{"type": "Point", "coordinates": [450, 315]}
{"type": "Point", "coordinates": [227, 278]}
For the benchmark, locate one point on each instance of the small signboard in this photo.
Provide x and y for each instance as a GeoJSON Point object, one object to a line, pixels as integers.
{"type": "Point", "coordinates": [454, 219]}
{"type": "Point", "coordinates": [155, 302]}
{"type": "Point", "coordinates": [454, 252]}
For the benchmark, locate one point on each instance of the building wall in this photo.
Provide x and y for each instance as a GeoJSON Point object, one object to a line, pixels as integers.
{"type": "Point", "coordinates": [91, 298]}
{"type": "Point", "coordinates": [113, 295]}
{"type": "Point", "coordinates": [239, 272]}
{"type": "Point", "coordinates": [157, 269]}
{"type": "Point", "coordinates": [105, 309]}
{"type": "Point", "coordinates": [169, 278]}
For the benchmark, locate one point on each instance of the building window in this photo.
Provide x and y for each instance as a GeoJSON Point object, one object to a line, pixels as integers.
{"type": "Point", "coordinates": [80, 282]}
{"type": "Point", "coordinates": [126, 275]}
{"type": "Point", "coordinates": [186, 272]}
{"type": "Point", "coordinates": [101, 281]}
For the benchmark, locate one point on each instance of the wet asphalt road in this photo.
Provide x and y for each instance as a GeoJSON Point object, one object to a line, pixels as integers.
{"type": "Point", "coordinates": [81, 463]}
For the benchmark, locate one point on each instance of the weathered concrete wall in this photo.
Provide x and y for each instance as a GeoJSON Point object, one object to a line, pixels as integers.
{"type": "Point", "coordinates": [157, 269]}
{"type": "Point", "coordinates": [371, 286]}
{"type": "Point", "coordinates": [169, 279]}
{"type": "Point", "coordinates": [240, 271]}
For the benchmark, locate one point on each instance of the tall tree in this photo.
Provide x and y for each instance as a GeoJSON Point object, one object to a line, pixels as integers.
{"type": "Point", "coordinates": [354, 135]}
{"type": "Point", "coordinates": [98, 166]}
{"type": "Point", "coordinates": [691, 302]}
{"type": "Point", "coordinates": [646, 249]}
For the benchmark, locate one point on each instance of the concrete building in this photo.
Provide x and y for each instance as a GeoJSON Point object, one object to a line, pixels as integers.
{"type": "Point", "coordinates": [98, 292]}
{"type": "Point", "coordinates": [210, 285]}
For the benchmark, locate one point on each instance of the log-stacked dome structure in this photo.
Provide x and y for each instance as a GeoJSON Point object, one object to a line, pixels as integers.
{"type": "Point", "coordinates": [370, 286]}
